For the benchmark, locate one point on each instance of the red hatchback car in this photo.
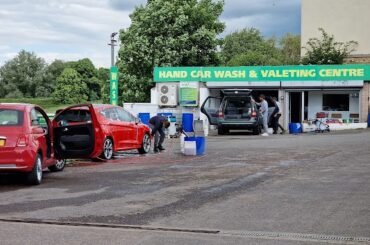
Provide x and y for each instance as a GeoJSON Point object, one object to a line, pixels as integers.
{"type": "Point", "coordinates": [82, 131]}
{"type": "Point", "coordinates": [25, 143]}
{"type": "Point", "coordinates": [92, 131]}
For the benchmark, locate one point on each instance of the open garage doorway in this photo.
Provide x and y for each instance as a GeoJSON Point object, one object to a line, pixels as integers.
{"type": "Point", "coordinates": [267, 93]}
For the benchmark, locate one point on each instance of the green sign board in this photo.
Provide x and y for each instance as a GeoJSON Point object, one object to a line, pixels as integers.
{"type": "Point", "coordinates": [189, 93]}
{"type": "Point", "coordinates": [263, 73]}
{"type": "Point", "coordinates": [114, 85]}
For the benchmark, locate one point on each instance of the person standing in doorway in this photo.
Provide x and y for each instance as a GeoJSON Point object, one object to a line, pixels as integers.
{"type": "Point", "coordinates": [264, 109]}
{"type": "Point", "coordinates": [157, 124]}
{"type": "Point", "coordinates": [275, 119]}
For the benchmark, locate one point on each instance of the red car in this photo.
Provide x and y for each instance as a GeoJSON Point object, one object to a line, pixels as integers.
{"type": "Point", "coordinates": [92, 131]}
{"type": "Point", "coordinates": [25, 143]}
{"type": "Point", "coordinates": [82, 131]}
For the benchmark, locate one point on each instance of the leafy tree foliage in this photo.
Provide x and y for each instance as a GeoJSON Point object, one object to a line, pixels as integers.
{"type": "Point", "coordinates": [291, 49]}
{"type": "Point", "coordinates": [103, 76]}
{"type": "Point", "coordinates": [167, 33]}
{"type": "Point", "coordinates": [326, 50]}
{"type": "Point", "coordinates": [69, 88]}
{"type": "Point", "coordinates": [86, 69]}
{"type": "Point", "coordinates": [52, 72]}
{"type": "Point", "coordinates": [22, 75]}
{"type": "Point", "coordinates": [249, 48]}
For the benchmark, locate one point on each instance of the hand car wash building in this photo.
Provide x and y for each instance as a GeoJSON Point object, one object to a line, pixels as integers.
{"type": "Point", "coordinates": [340, 91]}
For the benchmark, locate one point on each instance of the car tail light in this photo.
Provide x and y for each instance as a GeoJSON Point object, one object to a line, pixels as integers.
{"type": "Point", "coordinates": [220, 114]}
{"type": "Point", "coordinates": [22, 141]}
{"type": "Point", "coordinates": [254, 114]}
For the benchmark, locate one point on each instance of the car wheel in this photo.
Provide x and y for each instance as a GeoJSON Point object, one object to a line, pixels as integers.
{"type": "Point", "coordinates": [107, 149]}
{"type": "Point", "coordinates": [145, 146]}
{"type": "Point", "coordinates": [257, 130]}
{"type": "Point", "coordinates": [35, 176]}
{"type": "Point", "coordinates": [220, 130]}
{"type": "Point", "coordinates": [59, 166]}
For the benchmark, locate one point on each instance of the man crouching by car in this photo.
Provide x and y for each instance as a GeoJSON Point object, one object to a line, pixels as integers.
{"type": "Point", "coordinates": [157, 124]}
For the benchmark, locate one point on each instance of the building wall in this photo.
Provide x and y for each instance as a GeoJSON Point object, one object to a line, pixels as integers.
{"type": "Point", "coordinates": [345, 19]}
{"type": "Point", "coordinates": [365, 101]}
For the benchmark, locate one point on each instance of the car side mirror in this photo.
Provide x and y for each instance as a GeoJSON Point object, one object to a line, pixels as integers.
{"type": "Point", "coordinates": [137, 121]}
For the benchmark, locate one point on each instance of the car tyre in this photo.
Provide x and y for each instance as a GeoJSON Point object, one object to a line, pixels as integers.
{"type": "Point", "coordinates": [222, 130]}
{"type": "Point", "coordinates": [59, 166]}
{"type": "Point", "coordinates": [35, 176]}
{"type": "Point", "coordinates": [257, 130]}
{"type": "Point", "coordinates": [146, 144]}
{"type": "Point", "coordinates": [107, 153]}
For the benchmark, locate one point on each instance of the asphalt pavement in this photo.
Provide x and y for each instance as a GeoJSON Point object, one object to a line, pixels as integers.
{"type": "Point", "coordinates": [290, 189]}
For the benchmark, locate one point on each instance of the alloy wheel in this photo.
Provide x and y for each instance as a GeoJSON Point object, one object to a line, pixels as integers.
{"type": "Point", "coordinates": [108, 149]}
{"type": "Point", "coordinates": [60, 163]}
{"type": "Point", "coordinates": [39, 169]}
{"type": "Point", "coordinates": [146, 143]}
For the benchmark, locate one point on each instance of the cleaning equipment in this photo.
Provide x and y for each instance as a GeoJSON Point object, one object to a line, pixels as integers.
{"type": "Point", "coordinates": [200, 144]}
{"type": "Point", "coordinates": [187, 122]}
{"type": "Point", "coordinates": [190, 148]}
{"type": "Point", "coordinates": [172, 129]}
{"type": "Point", "coordinates": [295, 128]}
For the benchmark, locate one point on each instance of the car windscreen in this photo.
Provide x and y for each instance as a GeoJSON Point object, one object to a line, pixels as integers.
{"type": "Point", "coordinates": [10, 117]}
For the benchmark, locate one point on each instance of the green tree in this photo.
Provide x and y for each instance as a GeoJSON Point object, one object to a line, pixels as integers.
{"type": "Point", "coordinates": [326, 50]}
{"type": "Point", "coordinates": [22, 75]}
{"type": "Point", "coordinates": [248, 48]}
{"type": "Point", "coordinates": [103, 76]}
{"type": "Point", "coordinates": [167, 33]}
{"type": "Point", "coordinates": [69, 89]}
{"type": "Point", "coordinates": [291, 49]}
{"type": "Point", "coordinates": [53, 71]}
{"type": "Point", "coordinates": [86, 69]}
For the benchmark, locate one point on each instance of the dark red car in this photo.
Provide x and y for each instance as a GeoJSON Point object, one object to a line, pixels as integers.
{"type": "Point", "coordinates": [92, 131]}
{"type": "Point", "coordinates": [25, 142]}
{"type": "Point", "coordinates": [82, 131]}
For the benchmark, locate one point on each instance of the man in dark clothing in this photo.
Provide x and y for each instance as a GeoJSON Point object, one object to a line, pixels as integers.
{"type": "Point", "coordinates": [157, 124]}
{"type": "Point", "coordinates": [276, 116]}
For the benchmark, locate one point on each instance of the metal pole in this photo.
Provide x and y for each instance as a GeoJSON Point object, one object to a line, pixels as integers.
{"type": "Point", "coordinates": [112, 44]}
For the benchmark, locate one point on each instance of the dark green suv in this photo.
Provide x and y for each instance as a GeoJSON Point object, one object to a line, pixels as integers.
{"type": "Point", "coordinates": [235, 109]}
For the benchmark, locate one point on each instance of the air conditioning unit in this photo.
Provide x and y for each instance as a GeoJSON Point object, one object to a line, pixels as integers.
{"type": "Point", "coordinates": [167, 94]}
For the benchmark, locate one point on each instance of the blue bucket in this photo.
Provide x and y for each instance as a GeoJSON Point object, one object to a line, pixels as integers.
{"type": "Point", "coordinates": [187, 122]}
{"type": "Point", "coordinates": [144, 117]}
{"type": "Point", "coordinates": [295, 128]}
{"type": "Point", "coordinates": [200, 144]}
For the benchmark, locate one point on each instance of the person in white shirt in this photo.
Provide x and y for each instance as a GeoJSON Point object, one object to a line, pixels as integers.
{"type": "Point", "coordinates": [264, 109]}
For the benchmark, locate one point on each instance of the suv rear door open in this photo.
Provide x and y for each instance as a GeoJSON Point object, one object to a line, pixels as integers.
{"type": "Point", "coordinates": [211, 108]}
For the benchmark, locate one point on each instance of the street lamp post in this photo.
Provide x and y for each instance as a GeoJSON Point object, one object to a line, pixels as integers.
{"type": "Point", "coordinates": [112, 44]}
{"type": "Point", "coordinates": [113, 72]}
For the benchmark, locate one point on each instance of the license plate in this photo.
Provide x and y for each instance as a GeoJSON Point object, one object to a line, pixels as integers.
{"type": "Point", "coordinates": [2, 143]}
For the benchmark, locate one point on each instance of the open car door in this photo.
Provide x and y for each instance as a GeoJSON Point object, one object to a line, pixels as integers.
{"type": "Point", "coordinates": [77, 133]}
{"type": "Point", "coordinates": [211, 108]}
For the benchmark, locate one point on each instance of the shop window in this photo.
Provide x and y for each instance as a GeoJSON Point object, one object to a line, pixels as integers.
{"type": "Point", "coordinates": [335, 102]}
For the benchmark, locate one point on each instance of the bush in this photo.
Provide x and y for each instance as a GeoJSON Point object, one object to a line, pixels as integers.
{"type": "Point", "coordinates": [69, 88]}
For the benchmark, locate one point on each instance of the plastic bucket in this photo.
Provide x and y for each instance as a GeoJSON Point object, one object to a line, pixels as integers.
{"type": "Point", "coordinates": [144, 117]}
{"type": "Point", "coordinates": [187, 122]}
{"type": "Point", "coordinates": [295, 128]}
{"type": "Point", "coordinates": [200, 144]}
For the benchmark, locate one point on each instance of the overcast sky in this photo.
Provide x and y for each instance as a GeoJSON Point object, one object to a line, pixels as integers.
{"type": "Point", "coordinates": [74, 29]}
